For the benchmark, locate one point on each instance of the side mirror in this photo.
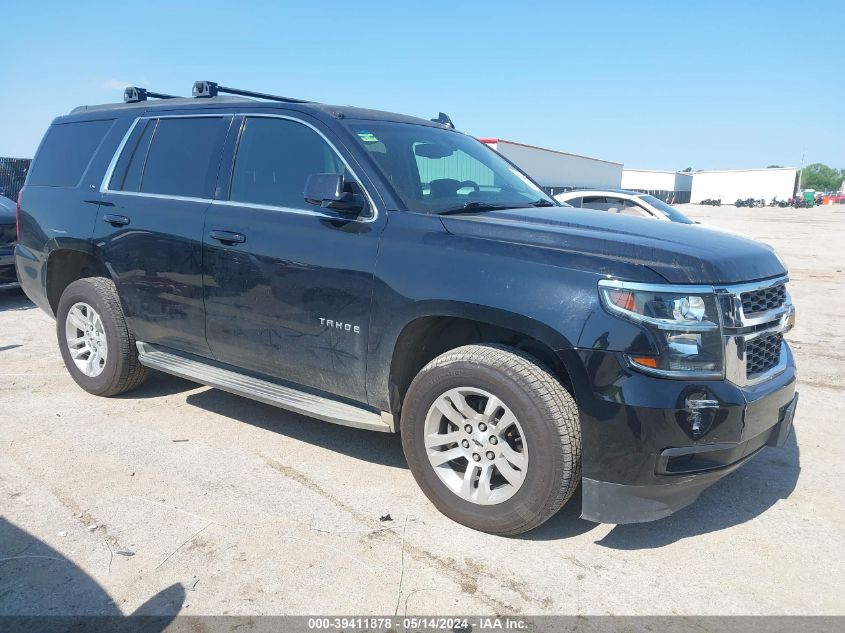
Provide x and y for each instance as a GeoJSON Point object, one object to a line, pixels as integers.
{"type": "Point", "coordinates": [328, 191]}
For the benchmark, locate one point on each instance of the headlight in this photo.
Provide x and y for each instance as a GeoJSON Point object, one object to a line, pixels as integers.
{"type": "Point", "coordinates": [684, 323]}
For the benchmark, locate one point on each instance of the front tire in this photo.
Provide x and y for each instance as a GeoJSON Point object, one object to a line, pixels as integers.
{"type": "Point", "coordinates": [96, 344]}
{"type": "Point", "coordinates": [492, 438]}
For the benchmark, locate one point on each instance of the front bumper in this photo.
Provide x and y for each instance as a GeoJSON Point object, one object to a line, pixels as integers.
{"type": "Point", "coordinates": [647, 454]}
{"type": "Point", "coordinates": [8, 276]}
{"type": "Point", "coordinates": [608, 502]}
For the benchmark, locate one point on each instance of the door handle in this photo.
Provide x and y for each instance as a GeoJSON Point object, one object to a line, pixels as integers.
{"type": "Point", "coordinates": [228, 237]}
{"type": "Point", "coordinates": [116, 220]}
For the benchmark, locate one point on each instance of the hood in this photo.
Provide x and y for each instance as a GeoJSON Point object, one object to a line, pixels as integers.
{"type": "Point", "coordinates": [7, 211]}
{"type": "Point", "coordinates": [681, 253]}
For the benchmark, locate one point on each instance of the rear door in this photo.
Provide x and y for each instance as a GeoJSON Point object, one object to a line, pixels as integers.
{"type": "Point", "coordinates": [150, 224]}
{"type": "Point", "coordinates": [292, 297]}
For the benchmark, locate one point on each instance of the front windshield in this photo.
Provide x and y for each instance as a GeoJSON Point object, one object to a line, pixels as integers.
{"type": "Point", "coordinates": [434, 169]}
{"type": "Point", "coordinates": [671, 212]}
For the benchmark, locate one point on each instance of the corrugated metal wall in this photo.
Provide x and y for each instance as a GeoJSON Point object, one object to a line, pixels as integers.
{"type": "Point", "coordinates": [557, 170]}
{"type": "Point", "coordinates": [12, 175]}
{"type": "Point", "coordinates": [458, 166]}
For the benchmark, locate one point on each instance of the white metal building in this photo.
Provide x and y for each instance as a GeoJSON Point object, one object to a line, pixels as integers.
{"type": "Point", "coordinates": [674, 185]}
{"type": "Point", "coordinates": [558, 171]}
{"type": "Point", "coordinates": [733, 184]}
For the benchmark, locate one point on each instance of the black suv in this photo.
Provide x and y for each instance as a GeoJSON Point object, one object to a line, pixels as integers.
{"type": "Point", "coordinates": [390, 273]}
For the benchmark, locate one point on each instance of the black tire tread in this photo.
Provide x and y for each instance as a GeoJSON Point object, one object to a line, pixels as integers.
{"type": "Point", "coordinates": [132, 372]}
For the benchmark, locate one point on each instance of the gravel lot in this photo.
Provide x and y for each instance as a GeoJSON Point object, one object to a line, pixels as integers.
{"type": "Point", "coordinates": [228, 506]}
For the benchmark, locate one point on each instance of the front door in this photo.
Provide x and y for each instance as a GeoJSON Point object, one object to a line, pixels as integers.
{"type": "Point", "coordinates": [150, 224]}
{"type": "Point", "coordinates": [288, 285]}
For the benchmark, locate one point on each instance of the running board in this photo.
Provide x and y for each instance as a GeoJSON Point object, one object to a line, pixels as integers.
{"type": "Point", "coordinates": [265, 391]}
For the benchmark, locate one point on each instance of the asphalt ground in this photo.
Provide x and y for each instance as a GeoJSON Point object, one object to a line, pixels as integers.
{"type": "Point", "coordinates": [178, 498]}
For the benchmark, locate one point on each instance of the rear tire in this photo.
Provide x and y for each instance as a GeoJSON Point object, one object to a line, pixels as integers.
{"type": "Point", "coordinates": [523, 475]}
{"type": "Point", "coordinates": [96, 343]}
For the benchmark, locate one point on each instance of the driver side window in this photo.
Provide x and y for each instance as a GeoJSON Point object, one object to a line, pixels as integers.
{"type": "Point", "coordinates": [275, 158]}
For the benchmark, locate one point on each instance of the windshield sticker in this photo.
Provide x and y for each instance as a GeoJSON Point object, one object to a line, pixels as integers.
{"type": "Point", "coordinates": [367, 137]}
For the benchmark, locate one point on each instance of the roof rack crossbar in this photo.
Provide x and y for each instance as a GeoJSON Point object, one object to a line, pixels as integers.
{"type": "Point", "coordinates": [134, 94]}
{"type": "Point", "coordinates": [212, 89]}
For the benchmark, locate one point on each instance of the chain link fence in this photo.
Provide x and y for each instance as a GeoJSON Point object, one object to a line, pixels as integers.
{"type": "Point", "coordinates": [12, 175]}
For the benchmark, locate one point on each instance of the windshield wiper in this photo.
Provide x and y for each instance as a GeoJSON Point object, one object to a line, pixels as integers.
{"type": "Point", "coordinates": [475, 206]}
{"type": "Point", "coordinates": [543, 203]}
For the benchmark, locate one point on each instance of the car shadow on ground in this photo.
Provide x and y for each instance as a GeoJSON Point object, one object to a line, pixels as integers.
{"type": "Point", "coordinates": [159, 385]}
{"type": "Point", "coordinates": [565, 524]}
{"type": "Point", "coordinates": [37, 580]}
{"type": "Point", "coordinates": [369, 446]}
{"type": "Point", "coordinates": [14, 299]}
{"type": "Point", "coordinates": [742, 496]}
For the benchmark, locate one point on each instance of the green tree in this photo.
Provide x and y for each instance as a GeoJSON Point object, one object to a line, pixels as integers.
{"type": "Point", "coordinates": [687, 170]}
{"type": "Point", "coordinates": [774, 166]}
{"type": "Point", "coordinates": [820, 177]}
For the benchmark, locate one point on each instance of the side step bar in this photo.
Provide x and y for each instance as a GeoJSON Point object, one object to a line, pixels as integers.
{"type": "Point", "coordinates": [264, 391]}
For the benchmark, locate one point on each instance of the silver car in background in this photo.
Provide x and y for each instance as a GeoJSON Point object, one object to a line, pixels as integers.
{"type": "Point", "coordinates": [623, 202]}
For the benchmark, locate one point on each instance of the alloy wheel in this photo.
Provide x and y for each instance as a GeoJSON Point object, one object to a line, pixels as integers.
{"type": "Point", "coordinates": [476, 445]}
{"type": "Point", "coordinates": [86, 339]}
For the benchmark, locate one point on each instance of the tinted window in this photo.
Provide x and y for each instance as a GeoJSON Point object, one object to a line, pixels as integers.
{"type": "Point", "coordinates": [275, 158]}
{"type": "Point", "coordinates": [180, 157]}
{"type": "Point", "coordinates": [66, 151]}
{"type": "Point", "coordinates": [127, 173]}
{"type": "Point", "coordinates": [575, 202]}
{"type": "Point", "coordinates": [434, 169]}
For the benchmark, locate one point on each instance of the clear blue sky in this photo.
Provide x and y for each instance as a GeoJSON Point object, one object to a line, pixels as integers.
{"type": "Point", "coordinates": [661, 85]}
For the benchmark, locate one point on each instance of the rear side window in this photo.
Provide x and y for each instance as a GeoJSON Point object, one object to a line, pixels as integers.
{"type": "Point", "coordinates": [170, 157]}
{"type": "Point", "coordinates": [275, 158]}
{"type": "Point", "coordinates": [127, 175]}
{"type": "Point", "coordinates": [179, 157]}
{"type": "Point", "coordinates": [66, 151]}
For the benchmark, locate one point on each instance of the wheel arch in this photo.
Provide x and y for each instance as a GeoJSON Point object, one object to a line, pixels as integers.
{"type": "Point", "coordinates": [443, 327]}
{"type": "Point", "coordinates": [66, 265]}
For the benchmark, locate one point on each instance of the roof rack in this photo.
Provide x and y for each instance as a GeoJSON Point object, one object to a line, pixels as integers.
{"type": "Point", "coordinates": [205, 89]}
{"type": "Point", "coordinates": [133, 94]}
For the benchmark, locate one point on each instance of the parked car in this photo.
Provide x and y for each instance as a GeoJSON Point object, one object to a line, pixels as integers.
{"type": "Point", "coordinates": [623, 202]}
{"type": "Point", "coordinates": [8, 231]}
{"type": "Point", "coordinates": [338, 262]}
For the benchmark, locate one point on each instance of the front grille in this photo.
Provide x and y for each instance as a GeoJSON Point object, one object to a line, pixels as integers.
{"type": "Point", "coordinates": [763, 299]}
{"type": "Point", "coordinates": [762, 353]}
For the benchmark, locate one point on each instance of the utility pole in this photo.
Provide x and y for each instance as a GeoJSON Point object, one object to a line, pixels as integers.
{"type": "Point", "coordinates": [800, 173]}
